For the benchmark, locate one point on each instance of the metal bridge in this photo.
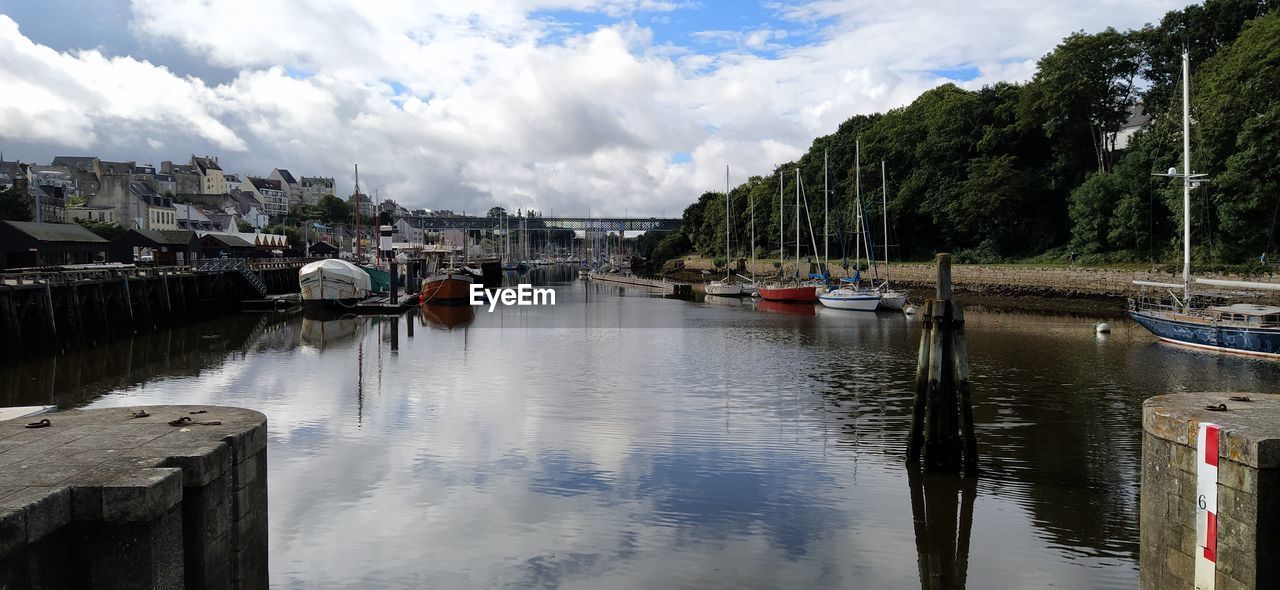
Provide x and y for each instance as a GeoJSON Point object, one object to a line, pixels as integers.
{"type": "Point", "coordinates": [593, 224]}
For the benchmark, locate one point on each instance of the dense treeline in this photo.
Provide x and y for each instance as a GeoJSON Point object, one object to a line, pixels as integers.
{"type": "Point", "coordinates": [1024, 170]}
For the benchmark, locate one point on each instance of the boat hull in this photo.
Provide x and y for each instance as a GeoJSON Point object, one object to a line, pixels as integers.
{"type": "Point", "coordinates": [850, 301]}
{"type": "Point", "coordinates": [893, 300]}
{"type": "Point", "coordinates": [802, 294]}
{"type": "Point", "coordinates": [1260, 342]}
{"type": "Point", "coordinates": [446, 288]}
{"type": "Point", "coordinates": [724, 290]}
{"type": "Point", "coordinates": [332, 283]}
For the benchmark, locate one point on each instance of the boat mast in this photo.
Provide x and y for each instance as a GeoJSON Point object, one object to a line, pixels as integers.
{"type": "Point", "coordinates": [797, 222]}
{"type": "Point", "coordinates": [751, 204]}
{"type": "Point", "coordinates": [826, 214]}
{"type": "Point", "coordinates": [884, 203]}
{"type": "Point", "coordinates": [781, 244]}
{"type": "Point", "coordinates": [357, 211]}
{"type": "Point", "coordinates": [1186, 178]}
{"type": "Point", "coordinates": [857, 197]}
{"type": "Point", "coordinates": [726, 221]}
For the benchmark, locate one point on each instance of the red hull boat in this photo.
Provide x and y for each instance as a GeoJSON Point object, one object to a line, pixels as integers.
{"type": "Point", "coordinates": [450, 287]}
{"type": "Point", "coordinates": [797, 294]}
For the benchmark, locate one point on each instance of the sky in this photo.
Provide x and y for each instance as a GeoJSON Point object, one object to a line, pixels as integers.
{"type": "Point", "coordinates": [565, 106]}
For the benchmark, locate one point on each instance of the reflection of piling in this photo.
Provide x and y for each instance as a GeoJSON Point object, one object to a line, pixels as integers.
{"type": "Point", "coordinates": [942, 511]}
{"type": "Point", "coordinates": [942, 419]}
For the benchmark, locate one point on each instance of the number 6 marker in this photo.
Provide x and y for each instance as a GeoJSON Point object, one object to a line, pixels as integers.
{"type": "Point", "coordinates": [1206, 505]}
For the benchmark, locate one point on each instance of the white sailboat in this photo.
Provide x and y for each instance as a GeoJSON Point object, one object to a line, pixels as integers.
{"type": "Point", "coordinates": [850, 295]}
{"type": "Point", "coordinates": [722, 287]}
{"type": "Point", "coordinates": [889, 298]}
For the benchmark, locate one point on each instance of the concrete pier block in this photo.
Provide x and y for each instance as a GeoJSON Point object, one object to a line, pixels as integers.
{"type": "Point", "coordinates": [1248, 517]}
{"type": "Point", "coordinates": [104, 499]}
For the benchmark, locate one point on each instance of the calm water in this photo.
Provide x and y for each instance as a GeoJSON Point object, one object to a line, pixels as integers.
{"type": "Point", "coordinates": [618, 440]}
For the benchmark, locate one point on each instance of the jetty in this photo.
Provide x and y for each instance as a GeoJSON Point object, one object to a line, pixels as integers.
{"type": "Point", "coordinates": [663, 286]}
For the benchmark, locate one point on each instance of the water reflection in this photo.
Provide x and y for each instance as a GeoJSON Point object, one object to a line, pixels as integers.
{"type": "Point", "coordinates": [447, 317]}
{"type": "Point", "coordinates": [942, 509]}
{"type": "Point", "coordinates": [593, 444]}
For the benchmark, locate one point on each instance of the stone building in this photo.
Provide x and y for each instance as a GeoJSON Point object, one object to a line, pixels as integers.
{"type": "Point", "coordinates": [212, 181]}
{"type": "Point", "coordinates": [314, 187]}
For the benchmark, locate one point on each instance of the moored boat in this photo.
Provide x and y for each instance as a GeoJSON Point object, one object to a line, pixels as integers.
{"type": "Point", "coordinates": [723, 289]}
{"type": "Point", "coordinates": [446, 287]}
{"type": "Point", "coordinates": [792, 293]}
{"type": "Point", "coordinates": [332, 284]}
{"type": "Point", "coordinates": [850, 298]}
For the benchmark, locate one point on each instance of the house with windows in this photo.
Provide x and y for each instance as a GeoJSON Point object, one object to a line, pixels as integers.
{"type": "Point", "coordinates": [270, 193]}
{"type": "Point", "coordinates": [311, 188]}
{"type": "Point", "coordinates": [212, 180]}
{"type": "Point", "coordinates": [291, 187]}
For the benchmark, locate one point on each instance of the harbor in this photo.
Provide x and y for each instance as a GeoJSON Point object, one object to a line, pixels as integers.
{"type": "Point", "coordinates": [784, 440]}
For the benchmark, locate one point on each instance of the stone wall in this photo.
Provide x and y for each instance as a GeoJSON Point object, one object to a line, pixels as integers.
{"type": "Point", "coordinates": [1248, 532]}
{"type": "Point", "coordinates": [104, 499]}
{"type": "Point", "coordinates": [1009, 279]}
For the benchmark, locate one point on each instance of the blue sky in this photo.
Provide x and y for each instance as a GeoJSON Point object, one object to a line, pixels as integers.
{"type": "Point", "coordinates": [607, 105]}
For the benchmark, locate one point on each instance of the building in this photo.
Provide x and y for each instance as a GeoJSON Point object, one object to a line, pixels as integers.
{"type": "Point", "coordinates": [10, 172]}
{"type": "Point", "coordinates": [191, 217]}
{"type": "Point", "coordinates": [25, 244]}
{"type": "Point", "coordinates": [314, 187]}
{"type": "Point", "coordinates": [161, 247]}
{"type": "Point", "coordinates": [186, 181]}
{"type": "Point", "coordinates": [366, 206]}
{"type": "Point", "coordinates": [98, 214]}
{"type": "Point", "coordinates": [85, 171]}
{"type": "Point", "coordinates": [212, 180]}
{"type": "Point", "coordinates": [1138, 119]}
{"type": "Point", "coordinates": [292, 189]}
{"type": "Point", "coordinates": [272, 195]}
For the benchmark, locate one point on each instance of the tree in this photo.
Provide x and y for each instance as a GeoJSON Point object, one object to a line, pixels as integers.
{"type": "Point", "coordinates": [14, 205]}
{"type": "Point", "coordinates": [331, 209]}
{"type": "Point", "coordinates": [497, 213]}
{"type": "Point", "coordinates": [243, 226]}
{"type": "Point", "coordinates": [106, 231]}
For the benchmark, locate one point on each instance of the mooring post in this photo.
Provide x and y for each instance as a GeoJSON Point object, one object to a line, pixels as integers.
{"type": "Point", "coordinates": [942, 417]}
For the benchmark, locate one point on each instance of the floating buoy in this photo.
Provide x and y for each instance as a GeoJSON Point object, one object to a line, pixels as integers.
{"type": "Point", "coordinates": [908, 310]}
{"type": "Point", "coordinates": [1102, 328]}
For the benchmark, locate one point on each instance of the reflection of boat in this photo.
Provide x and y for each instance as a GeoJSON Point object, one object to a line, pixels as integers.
{"type": "Point", "coordinates": [448, 286]}
{"type": "Point", "coordinates": [721, 300]}
{"type": "Point", "coordinates": [805, 309]}
{"type": "Point", "coordinates": [448, 316]}
{"type": "Point", "coordinates": [332, 284]}
{"type": "Point", "coordinates": [322, 333]}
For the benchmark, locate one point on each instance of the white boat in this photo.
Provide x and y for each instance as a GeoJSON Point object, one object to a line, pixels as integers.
{"type": "Point", "coordinates": [850, 299]}
{"type": "Point", "coordinates": [333, 283]}
{"type": "Point", "coordinates": [723, 289]}
{"type": "Point", "coordinates": [891, 299]}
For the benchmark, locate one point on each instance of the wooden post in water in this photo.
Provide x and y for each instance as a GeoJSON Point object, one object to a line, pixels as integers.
{"type": "Point", "coordinates": [942, 418]}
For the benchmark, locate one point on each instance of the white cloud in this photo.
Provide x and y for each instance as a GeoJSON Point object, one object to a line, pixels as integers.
{"type": "Point", "coordinates": [463, 105]}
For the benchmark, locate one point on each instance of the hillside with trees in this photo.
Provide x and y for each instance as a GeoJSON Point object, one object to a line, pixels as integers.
{"type": "Point", "coordinates": [1035, 170]}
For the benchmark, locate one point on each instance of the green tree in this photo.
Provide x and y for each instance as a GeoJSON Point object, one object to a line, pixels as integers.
{"type": "Point", "coordinates": [106, 231]}
{"type": "Point", "coordinates": [243, 226]}
{"type": "Point", "coordinates": [331, 209]}
{"type": "Point", "coordinates": [14, 205]}
{"type": "Point", "coordinates": [497, 213]}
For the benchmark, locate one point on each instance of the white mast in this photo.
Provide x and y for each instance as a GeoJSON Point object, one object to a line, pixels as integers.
{"type": "Point", "coordinates": [1186, 178]}
{"type": "Point", "coordinates": [884, 202]}
{"type": "Point", "coordinates": [797, 222]}
{"type": "Point", "coordinates": [751, 204]}
{"type": "Point", "coordinates": [826, 254]}
{"type": "Point", "coordinates": [726, 221]}
{"type": "Point", "coordinates": [857, 197]}
{"type": "Point", "coordinates": [781, 242]}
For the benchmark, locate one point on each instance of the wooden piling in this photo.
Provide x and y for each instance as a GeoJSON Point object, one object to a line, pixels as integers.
{"type": "Point", "coordinates": [942, 418]}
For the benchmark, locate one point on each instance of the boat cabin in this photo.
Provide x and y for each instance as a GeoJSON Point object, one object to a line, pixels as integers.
{"type": "Point", "coordinates": [1248, 315]}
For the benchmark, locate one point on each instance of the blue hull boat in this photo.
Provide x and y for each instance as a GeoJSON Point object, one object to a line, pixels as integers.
{"type": "Point", "coordinates": [1224, 329]}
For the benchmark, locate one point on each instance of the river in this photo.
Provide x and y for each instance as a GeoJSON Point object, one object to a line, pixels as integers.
{"type": "Point", "coordinates": [623, 440]}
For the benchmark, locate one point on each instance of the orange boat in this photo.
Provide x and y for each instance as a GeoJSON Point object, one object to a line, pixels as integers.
{"type": "Point", "coordinates": [448, 316]}
{"type": "Point", "coordinates": [446, 287]}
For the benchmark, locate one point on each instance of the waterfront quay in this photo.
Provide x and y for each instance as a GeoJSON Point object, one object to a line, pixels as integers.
{"type": "Point", "coordinates": [43, 310]}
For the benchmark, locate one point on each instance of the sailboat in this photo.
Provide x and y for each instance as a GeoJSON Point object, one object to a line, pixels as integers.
{"type": "Point", "coordinates": [750, 288]}
{"type": "Point", "coordinates": [850, 295]}
{"type": "Point", "coordinates": [1241, 328]}
{"type": "Point", "coordinates": [722, 287]}
{"type": "Point", "coordinates": [794, 291]}
{"type": "Point", "coordinates": [889, 298]}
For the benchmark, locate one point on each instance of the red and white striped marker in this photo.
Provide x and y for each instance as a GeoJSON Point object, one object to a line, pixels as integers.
{"type": "Point", "coordinates": [1206, 505]}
